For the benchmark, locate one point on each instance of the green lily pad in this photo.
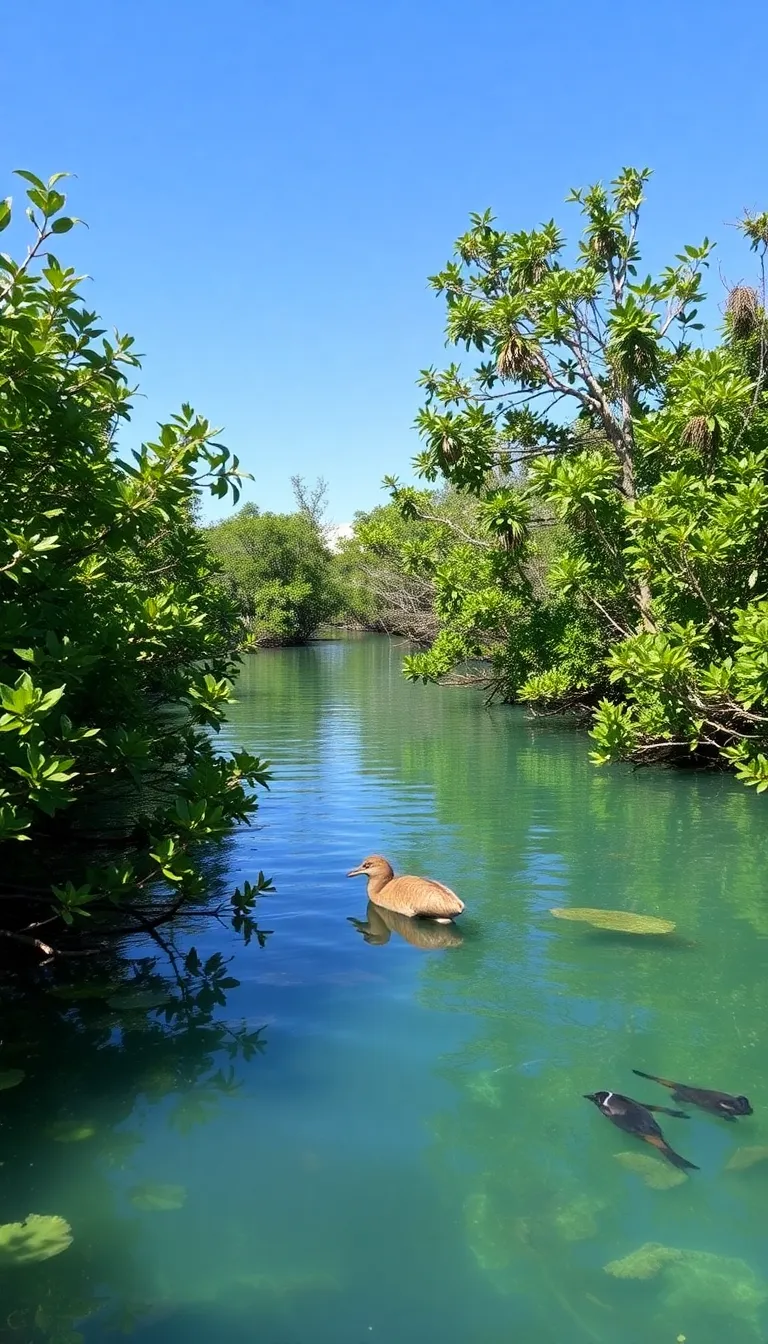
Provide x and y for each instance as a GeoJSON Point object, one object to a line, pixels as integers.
{"type": "Point", "coordinates": [655, 1172]}
{"type": "Point", "coordinates": [39, 1237]}
{"type": "Point", "coordinates": [746, 1157]}
{"type": "Point", "coordinates": [618, 921]}
{"type": "Point", "coordinates": [11, 1078]}
{"type": "Point", "coordinates": [139, 1000]}
{"type": "Point", "coordinates": [71, 1131]}
{"type": "Point", "coordinates": [76, 993]}
{"type": "Point", "coordinates": [158, 1196]}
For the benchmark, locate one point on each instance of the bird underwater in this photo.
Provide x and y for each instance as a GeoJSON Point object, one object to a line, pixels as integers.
{"type": "Point", "coordinates": [635, 1118]}
{"type": "Point", "coordinates": [717, 1103]}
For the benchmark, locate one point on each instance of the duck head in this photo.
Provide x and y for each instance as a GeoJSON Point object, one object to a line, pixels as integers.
{"type": "Point", "coordinates": [375, 866]}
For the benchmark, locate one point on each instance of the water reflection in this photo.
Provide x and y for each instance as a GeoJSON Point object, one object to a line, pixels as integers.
{"type": "Point", "coordinates": [88, 1055]}
{"type": "Point", "coordinates": [379, 925]}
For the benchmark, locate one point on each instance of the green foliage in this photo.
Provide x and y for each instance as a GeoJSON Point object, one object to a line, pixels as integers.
{"type": "Point", "coordinates": [39, 1237]}
{"type": "Point", "coordinates": [280, 573]}
{"type": "Point", "coordinates": [387, 567]}
{"type": "Point", "coordinates": [115, 642]}
{"type": "Point", "coordinates": [621, 474]}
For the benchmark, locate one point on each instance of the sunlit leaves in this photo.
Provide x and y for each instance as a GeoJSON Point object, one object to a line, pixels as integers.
{"type": "Point", "coordinates": [39, 1237]}
{"type": "Point", "coordinates": [116, 642]}
{"type": "Point", "coordinates": [281, 576]}
{"type": "Point", "coordinates": [600, 412]}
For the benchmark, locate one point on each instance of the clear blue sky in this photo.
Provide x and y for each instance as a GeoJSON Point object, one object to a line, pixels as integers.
{"type": "Point", "coordinates": [268, 183]}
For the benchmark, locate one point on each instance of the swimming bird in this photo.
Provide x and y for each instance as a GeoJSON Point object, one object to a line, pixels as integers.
{"type": "Point", "coordinates": [635, 1118]}
{"type": "Point", "coordinates": [412, 896]}
{"type": "Point", "coordinates": [429, 934]}
{"type": "Point", "coordinates": [718, 1103]}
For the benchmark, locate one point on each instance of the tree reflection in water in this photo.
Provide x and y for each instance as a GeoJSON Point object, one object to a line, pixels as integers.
{"type": "Point", "coordinates": [146, 1023]}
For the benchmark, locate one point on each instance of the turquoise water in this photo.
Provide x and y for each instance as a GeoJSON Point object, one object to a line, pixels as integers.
{"type": "Point", "coordinates": [370, 1140]}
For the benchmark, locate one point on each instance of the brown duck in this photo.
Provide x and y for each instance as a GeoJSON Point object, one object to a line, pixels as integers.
{"type": "Point", "coordinates": [413, 896]}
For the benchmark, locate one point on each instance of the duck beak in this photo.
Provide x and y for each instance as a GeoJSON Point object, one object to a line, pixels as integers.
{"type": "Point", "coordinates": [355, 872]}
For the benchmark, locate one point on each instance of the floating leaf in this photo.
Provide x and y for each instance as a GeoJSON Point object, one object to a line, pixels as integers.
{"type": "Point", "coordinates": [158, 1196]}
{"type": "Point", "coordinates": [747, 1157]}
{"type": "Point", "coordinates": [39, 1237]}
{"type": "Point", "coordinates": [139, 999]}
{"type": "Point", "coordinates": [74, 993]}
{"type": "Point", "coordinates": [657, 1174]}
{"type": "Point", "coordinates": [71, 1131]}
{"type": "Point", "coordinates": [618, 921]}
{"type": "Point", "coordinates": [11, 1078]}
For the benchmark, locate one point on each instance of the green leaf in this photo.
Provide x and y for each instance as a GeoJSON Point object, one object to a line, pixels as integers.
{"type": "Point", "coordinates": [139, 1000]}
{"type": "Point", "coordinates": [39, 1237]}
{"type": "Point", "coordinates": [11, 1078]}
{"type": "Point", "coordinates": [30, 177]}
{"type": "Point", "coordinates": [158, 1197]}
{"type": "Point", "coordinates": [617, 921]}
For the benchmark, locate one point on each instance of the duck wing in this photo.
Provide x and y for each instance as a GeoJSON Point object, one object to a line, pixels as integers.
{"type": "Point", "coordinates": [433, 899]}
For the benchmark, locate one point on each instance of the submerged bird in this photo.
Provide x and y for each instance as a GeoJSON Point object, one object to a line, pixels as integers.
{"type": "Point", "coordinates": [430, 934]}
{"type": "Point", "coordinates": [718, 1103]}
{"type": "Point", "coordinates": [412, 896]}
{"type": "Point", "coordinates": [635, 1118]}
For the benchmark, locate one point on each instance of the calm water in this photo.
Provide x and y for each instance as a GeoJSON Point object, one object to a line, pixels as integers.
{"type": "Point", "coordinates": [403, 1154]}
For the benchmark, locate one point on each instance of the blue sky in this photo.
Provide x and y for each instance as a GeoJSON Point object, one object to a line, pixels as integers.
{"type": "Point", "coordinates": [268, 183]}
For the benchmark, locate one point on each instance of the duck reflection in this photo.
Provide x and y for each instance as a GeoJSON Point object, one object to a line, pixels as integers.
{"type": "Point", "coordinates": [379, 925]}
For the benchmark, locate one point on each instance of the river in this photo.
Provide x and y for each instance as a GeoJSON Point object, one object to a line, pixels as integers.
{"type": "Point", "coordinates": [369, 1140]}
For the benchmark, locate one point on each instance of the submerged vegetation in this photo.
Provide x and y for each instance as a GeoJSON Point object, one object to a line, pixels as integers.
{"type": "Point", "coordinates": [616, 921]}
{"type": "Point", "coordinates": [620, 474]}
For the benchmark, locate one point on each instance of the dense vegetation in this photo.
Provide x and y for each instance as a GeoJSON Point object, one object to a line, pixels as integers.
{"type": "Point", "coordinates": [116, 646]}
{"type": "Point", "coordinates": [598, 429]}
{"type": "Point", "coordinates": [386, 567]}
{"type": "Point", "coordinates": [280, 573]}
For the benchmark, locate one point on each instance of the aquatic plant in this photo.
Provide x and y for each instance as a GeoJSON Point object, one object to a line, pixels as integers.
{"type": "Point", "coordinates": [71, 1131]}
{"type": "Point", "coordinates": [577, 1221]}
{"type": "Point", "coordinates": [39, 1237]}
{"type": "Point", "coordinates": [697, 1281]}
{"type": "Point", "coordinates": [618, 921]}
{"type": "Point", "coordinates": [656, 1174]}
{"type": "Point", "coordinates": [11, 1078]}
{"type": "Point", "coordinates": [747, 1157]}
{"type": "Point", "coordinates": [488, 1236]}
{"type": "Point", "coordinates": [140, 1000]}
{"type": "Point", "coordinates": [644, 1263]}
{"type": "Point", "coordinates": [90, 989]}
{"type": "Point", "coordinates": [288, 1283]}
{"type": "Point", "coordinates": [483, 1088]}
{"type": "Point", "coordinates": [715, 1285]}
{"type": "Point", "coordinates": [158, 1197]}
